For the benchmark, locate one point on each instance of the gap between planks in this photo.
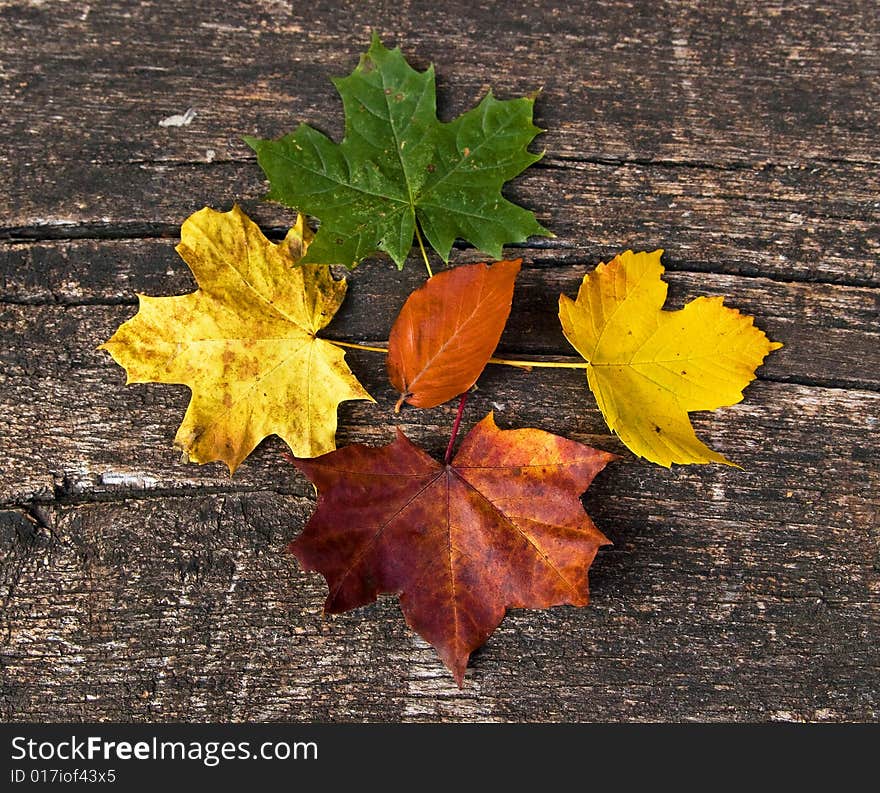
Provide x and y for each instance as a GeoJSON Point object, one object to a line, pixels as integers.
{"type": "Point", "coordinates": [143, 232]}
{"type": "Point", "coordinates": [557, 161]}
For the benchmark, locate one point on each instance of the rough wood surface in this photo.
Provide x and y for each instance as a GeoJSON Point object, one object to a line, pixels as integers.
{"type": "Point", "coordinates": [742, 137]}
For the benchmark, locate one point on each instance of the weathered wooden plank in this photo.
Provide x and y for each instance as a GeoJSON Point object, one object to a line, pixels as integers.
{"type": "Point", "coordinates": [185, 609]}
{"type": "Point", "coordinates": [719, 82]}
{"type": "Point", "coordinates": [780, 210]}
{"type": "Point", "coordinates": [787, 223]}
{"type": "Point", "coordinates": [830, 331]}
{"type": "Point", "coordinates": [72, 429]}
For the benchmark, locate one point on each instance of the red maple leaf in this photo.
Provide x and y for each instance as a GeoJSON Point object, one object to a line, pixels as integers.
{"type": "Point", "coordinates": [500, 526]}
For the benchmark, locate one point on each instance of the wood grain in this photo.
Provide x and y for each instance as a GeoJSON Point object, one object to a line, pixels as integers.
{"type": "Point", "coordinates": [741, 137]}
{"type": "Point", "coordinates": [742, 222]}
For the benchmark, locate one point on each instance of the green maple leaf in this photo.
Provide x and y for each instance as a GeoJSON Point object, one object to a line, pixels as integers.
{"type": "Point", "coordinates": [399, 168]}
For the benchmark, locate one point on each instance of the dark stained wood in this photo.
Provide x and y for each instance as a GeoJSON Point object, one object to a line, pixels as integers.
{"type": "Point", "coordinates": [826, 327]}
{"type": "Point", "coordinates": [727, 595]}
{"type": "Point", "coordinates": [775, 223]}
{"type": "Point", "coordinates": [741, 137]}
{"type": "Point", "coordinates": [724, 82]}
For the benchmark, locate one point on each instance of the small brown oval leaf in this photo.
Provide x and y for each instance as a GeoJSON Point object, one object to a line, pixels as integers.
{"type": "Point", "coordinates": [448, 329]}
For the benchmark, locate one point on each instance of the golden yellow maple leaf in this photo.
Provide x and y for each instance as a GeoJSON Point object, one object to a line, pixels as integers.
{"type": "Point", "coordinates": [649, 368]}
{"type": "Point", "coordinates": [245, 343]}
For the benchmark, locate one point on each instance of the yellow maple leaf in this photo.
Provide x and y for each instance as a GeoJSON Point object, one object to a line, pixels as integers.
{"type": "Point", "coordinates": [649, 368]}
{"type": "Point", "coordinates": [245, 343]}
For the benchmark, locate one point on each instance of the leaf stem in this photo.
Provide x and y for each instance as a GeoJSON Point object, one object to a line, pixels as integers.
{"type": "Point", "coordinates": [526, 364]}
{"type": "Point", "coordinates": [447, 458]}
{"type": "Point", "coordinates": [523, 363]}
{"type": "Point", "coordinates": [422, 248]}
{"type": "Point", "coordinates": [354, 346]}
